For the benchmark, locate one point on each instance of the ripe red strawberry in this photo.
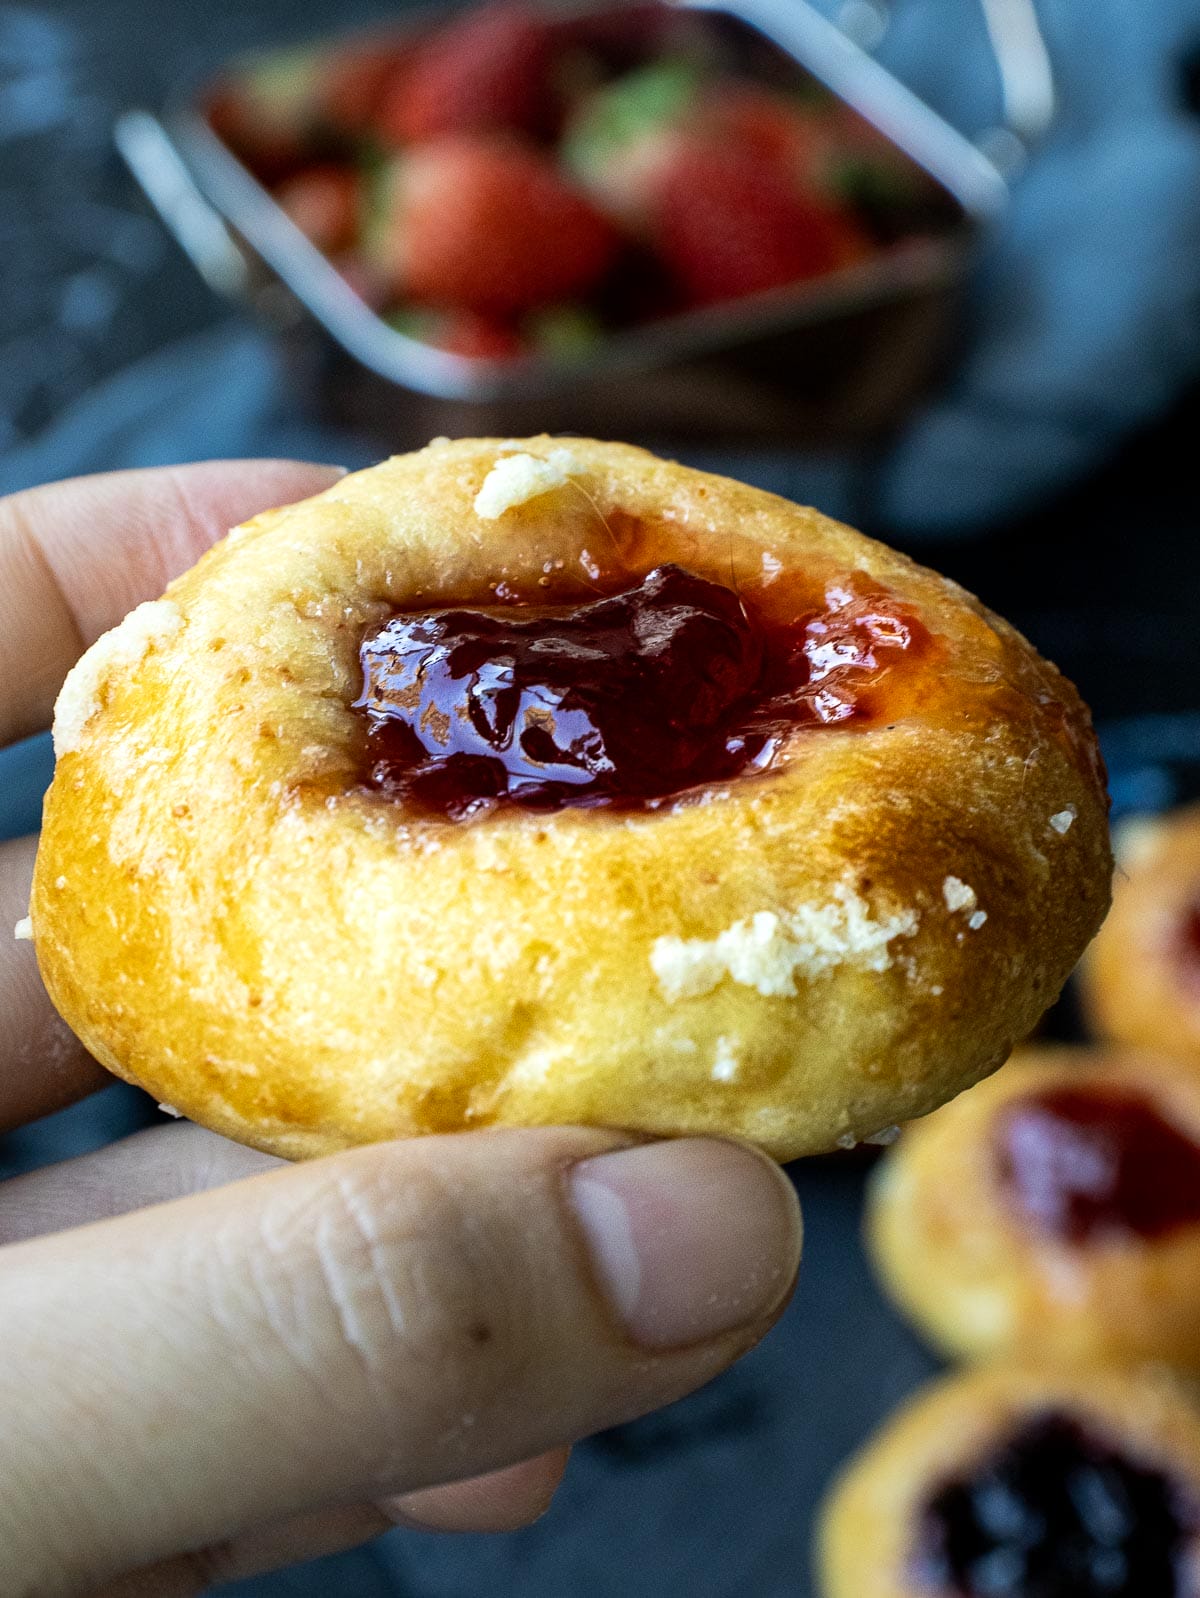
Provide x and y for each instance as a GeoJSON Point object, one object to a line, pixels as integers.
{"type": "Point", "coordinates": [484, 70]}
{"type": "Point", "coordinates": [323, 202]}
{"type": "Point", "coordinates": [354, 82]}
{"type": "Point", "coordinates": [487, 224]}
{"type": "Point", "coordinates": [728, 223]}
{"type": "Point", "coordinates": [766, 124]}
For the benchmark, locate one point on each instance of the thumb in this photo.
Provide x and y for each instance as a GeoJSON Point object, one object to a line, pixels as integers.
{"type": "Point", "coordinates": [390, 1318]}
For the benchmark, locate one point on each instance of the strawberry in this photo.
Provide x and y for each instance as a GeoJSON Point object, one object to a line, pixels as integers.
{"type": "Point", "coordinates": [354, 82]}
{"type": "Point", "coordinates": [266, 112]}
{"type": "Point", "coordinates": [480, 338]}
{"type": "Point", "coordinates": [626, 137]}
{"type": "Point", "coordinates": [728, 224]}
{"type": "Point", "coordinates": [487, 224]}
{"type": "Point", "coordinates": [484, 70]}
{"type": "Point", "coordinates": [323, 202]}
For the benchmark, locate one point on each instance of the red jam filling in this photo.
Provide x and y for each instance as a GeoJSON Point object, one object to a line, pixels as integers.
{"type": "Point", "coordinates": [1086, 1164]}
{"type": "Point", "coordinates": [670, 685]}
{"type": "Point", "coordinates": [1054, 1512]}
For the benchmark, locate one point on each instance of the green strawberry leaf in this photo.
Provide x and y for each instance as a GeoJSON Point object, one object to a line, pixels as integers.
{"type": "Point", "coordinates": [620, 115]}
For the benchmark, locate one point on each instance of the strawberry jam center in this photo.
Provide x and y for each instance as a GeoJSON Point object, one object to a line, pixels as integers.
{"type": "Point", "coordinates": [1083, 1165]}
{"type": "Point", "coordinates": [1054, 1513]}
{"type": "Point", "coordinates": [669, 685]}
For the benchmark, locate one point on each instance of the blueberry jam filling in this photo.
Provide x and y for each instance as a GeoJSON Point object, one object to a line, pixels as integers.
{"type": "Point", "coordinates": [1054, 1513]}
{"type": "Point", "coordinates": [1082, 1164]}
{"type": "Point", "coordinates": [669, 685]}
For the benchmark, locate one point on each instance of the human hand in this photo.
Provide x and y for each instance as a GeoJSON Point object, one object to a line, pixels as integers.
{"type": "Point", "coordinates": [409, 1333]}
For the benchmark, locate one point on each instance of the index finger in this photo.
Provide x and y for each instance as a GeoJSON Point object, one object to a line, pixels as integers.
{"type": "Point", "coordinates": [76, 556]}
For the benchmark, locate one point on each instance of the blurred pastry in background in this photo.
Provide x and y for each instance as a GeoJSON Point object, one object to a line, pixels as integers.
{"type": "Point", "coordinates": [1052, 1211]}
{"type": "Point", "coordinates": [1140, 982]}
{"type": "Point", "coordinates": [1017, 1482]}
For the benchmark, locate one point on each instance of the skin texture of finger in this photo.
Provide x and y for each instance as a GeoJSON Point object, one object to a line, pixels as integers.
{"type": "Point", "coordinates": [505, 1500]}
{"type": "Point", "coordinates": [380, 1322]}
{"type": "Point", "coordinates": [77, 556]}
{"type": "Point", "coordinates": [328, 1531]}
{"type": "Point", "coordinates": [151, 1167]}
{"type": "Point", "coordinates": [43, 1066]}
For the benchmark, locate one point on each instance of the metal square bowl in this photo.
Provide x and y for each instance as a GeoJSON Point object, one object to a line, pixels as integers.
{"type": "Point", "coordinates": [828, 361]}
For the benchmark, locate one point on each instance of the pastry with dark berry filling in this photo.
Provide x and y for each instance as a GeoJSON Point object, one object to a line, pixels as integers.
{"type": "Point", "coordinates": [1020, 1482]}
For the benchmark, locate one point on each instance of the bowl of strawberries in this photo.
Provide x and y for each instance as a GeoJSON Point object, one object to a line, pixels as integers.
{"type": "Point", "coordinates": [668, 219]}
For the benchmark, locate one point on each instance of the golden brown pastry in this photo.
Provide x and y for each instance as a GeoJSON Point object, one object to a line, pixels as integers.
{"type": "Point", "coordinates": [1141, 982]}
{"type": "Point", "coordinates": [532, 782]}
{"type": "Point", "coordinates": [1053, 1211]}
{"type": "Point", "coordinates": [1023, 1482]}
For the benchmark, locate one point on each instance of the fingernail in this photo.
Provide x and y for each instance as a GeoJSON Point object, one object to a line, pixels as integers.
{"type": "Point", "coordinates": [687, 1239]}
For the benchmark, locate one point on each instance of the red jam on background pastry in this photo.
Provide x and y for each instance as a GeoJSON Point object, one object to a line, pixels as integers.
{"type": "Point", "coordinates": [1023, 1482]}
{"type": "Point", "coordinates": [534, 781]}
{"type": "Point", "coordinates": [1053, 1211]}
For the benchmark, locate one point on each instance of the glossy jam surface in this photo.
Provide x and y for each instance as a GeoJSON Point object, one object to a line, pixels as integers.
{"type": "Point", "coordinates": [1054, 1513]}
{"type": "Point", "coordinates": [670, 684]}
{"type": "Point", "coordinates": [1085, 1164]}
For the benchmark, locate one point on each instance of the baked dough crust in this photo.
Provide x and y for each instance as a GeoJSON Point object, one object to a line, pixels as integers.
{"type": "Point", "coordinates": [980, 1282]}
{"type": "Point", "coordinates": [871, 1518]}
{"type": "Point", "coordinates": [227, 917]}
{"type": "Point", "coordinates": [1135, 984]}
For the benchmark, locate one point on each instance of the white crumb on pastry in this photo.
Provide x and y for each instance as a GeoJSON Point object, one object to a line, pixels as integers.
{"type": "Point", "coordinates": [766, 950]}
{"type": "Point", "coordinates": [515, 479]}
{"type": "Point", "coordinates": [169, 1109]}
{"type": "Point", "coordinates": [725, 1061]}
{"type": "Point", "coordinates": [936, 990]}
{"type": "Point", "coordinates": [958, 894]}
{"type": "Point", "coordinates": [123, 647]}
{"type": "Point", "coordinates": [1062, 819]}
{"type": "Point", "coordinates": [23, 931]}
{"type": "Point", "coordinates": [976, 920]}
{"type": "Point", "coordinates": [60, 883]}
{"type": "Point", "coordinates": [847, 1141]}
{"type": "Point", "coordinates": [884, 1138]}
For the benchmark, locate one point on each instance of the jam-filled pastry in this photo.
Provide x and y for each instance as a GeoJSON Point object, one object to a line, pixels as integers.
{"type": "Point", "coordinates": [1051, 1211]}
{"type": "Point", "coordinates": [538, 781]}
{"type": "Point", "coordinates": [1141, 982]}
{"type": "Point", "coordinates": [1023, 1482]}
